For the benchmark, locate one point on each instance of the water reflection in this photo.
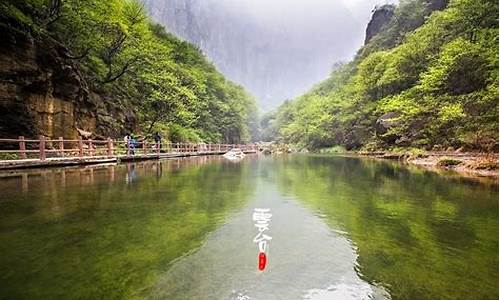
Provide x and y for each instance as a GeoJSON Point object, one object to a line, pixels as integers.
{"type": "Point", "coordinates": [306, 259]}
{"type": "Point", "coordinates": [342, 228]}
{"type": "Point", "coordinates": [107, 232]}
{"type": "Point", "coordinates": [43, 179]}
{"type": "Point", "coordinates": [418, 234]}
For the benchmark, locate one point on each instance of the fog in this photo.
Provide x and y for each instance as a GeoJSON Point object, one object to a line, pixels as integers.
{"type": "Point", "coordinates": [276, 49]}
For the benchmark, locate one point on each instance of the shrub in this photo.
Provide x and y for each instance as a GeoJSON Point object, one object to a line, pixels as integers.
{"type": "Point", "coordinates": [333, 150]}
{"type": "Point", "coordinates": [448, 162]}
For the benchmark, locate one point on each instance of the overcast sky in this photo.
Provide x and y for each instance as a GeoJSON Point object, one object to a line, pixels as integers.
{"type": "Point", "coordinates": [277, 49]}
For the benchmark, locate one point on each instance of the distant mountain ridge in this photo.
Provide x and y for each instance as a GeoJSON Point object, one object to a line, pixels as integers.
{"type": "Point", "coordinates": [275, 59]}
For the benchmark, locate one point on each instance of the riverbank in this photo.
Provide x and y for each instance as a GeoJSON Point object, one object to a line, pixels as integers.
{"type": "Point", "coordinates": [466, 163]}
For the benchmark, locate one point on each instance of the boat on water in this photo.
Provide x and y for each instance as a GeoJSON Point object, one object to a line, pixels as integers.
{"type": "Point", "coordinates": [235, 153]}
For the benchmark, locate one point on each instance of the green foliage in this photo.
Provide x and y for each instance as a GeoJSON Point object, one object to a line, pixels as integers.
{"type": "Point", "coordinates": [178, 133]}
{"type": "Point", "coordinates": [437, 77]}
{"type": "Point", "coordinates": [138, 65]}
{"type": "Point", "coordinates": [8, 156]}
{"type": "Point", "coordinates": [448, 162]}
{"type": "Point", "coordinates": [333, 150]}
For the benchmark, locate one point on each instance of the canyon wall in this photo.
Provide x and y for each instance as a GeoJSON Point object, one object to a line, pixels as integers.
{"type": "Point", "coordinates": [41, 92]}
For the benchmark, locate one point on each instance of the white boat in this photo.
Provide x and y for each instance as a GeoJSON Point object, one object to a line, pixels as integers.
{"type": "Point", "coordinates": [234, 154]}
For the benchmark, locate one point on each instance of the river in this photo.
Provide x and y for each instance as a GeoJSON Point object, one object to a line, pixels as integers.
{"type": "Point", "coordinates": [341, 228]}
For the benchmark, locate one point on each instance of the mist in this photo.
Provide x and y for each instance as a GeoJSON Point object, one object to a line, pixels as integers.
{"type": "Point", "coordinates": [276, 49]}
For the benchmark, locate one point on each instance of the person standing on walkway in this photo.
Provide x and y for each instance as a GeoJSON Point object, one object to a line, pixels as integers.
{"type": "Point", "coordinates": [132, 144]}
{"type": "Point", "coordinates": [126, 140]}
{"type": "Point", "coordinates": [157, 137]}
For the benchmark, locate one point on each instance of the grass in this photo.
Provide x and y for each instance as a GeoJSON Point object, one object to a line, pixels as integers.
{"type": "Point", "coordinates": [448, 162]}
{"type": "Point", "coordinates": [333, 150]}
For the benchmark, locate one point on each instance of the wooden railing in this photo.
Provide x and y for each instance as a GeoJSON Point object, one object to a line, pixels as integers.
{"type": "Point", "coordinates": [43, 148]}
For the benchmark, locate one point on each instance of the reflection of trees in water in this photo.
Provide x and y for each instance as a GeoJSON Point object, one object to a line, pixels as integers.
{"type": "Point", "coordinates": [416, 232]}
{"type": "Point", "coordinates": [52, 178]}
{"type": "Point", "coordinates": [98, 235]}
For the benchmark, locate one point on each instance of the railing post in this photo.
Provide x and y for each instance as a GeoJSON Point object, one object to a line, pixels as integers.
{"type": "Point", "coordinates": [22, 147]}
{"type": "Point", "coordinates": [42, 147]}
{"type": "Point", "coordinates": [61, 147]}
{"type": "Point", "coordinates": [91, 148]}
{"type": "Point", "coordinates": [80, 147]}
{"type": "Point", "coordinates": [177, 147]}
{"type": "Point", "coordinates": [145, 146]}
{"type": "Point", "coordinates": [110, 147]}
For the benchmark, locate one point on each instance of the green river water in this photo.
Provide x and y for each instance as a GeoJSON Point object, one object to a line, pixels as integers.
{"type": "Point", "coordinates": [341, 228]}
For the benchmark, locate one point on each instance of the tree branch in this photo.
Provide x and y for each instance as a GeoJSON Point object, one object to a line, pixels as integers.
{"type": "Point", "coordinates": [53, 12]}
{"type": "Point", "coordinates": [125, 68]}
{"type": "Point", "coordinates": [69, 56]}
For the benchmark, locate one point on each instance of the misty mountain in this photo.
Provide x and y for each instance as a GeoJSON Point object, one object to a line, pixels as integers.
{"type": "Point", "coordinates": [275, 49]}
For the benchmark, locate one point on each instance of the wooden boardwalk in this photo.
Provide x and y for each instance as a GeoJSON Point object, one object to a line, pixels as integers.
{"type": "Point", "coordinates": [43, 152]}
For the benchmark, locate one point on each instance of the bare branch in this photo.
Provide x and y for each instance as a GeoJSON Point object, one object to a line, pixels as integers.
{"type": "Point", "coordinates": [70, 56]}
{"type": "Point", "coordinates": [125, 68]}
{"type": "Point", "coordinates": [53, 12]}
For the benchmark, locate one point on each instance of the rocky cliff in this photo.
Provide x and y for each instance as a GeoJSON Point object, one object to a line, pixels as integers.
{"type": "Point", "coordinates": [386, 18]}
{"type": "Point", "coordinates": [381, 17]}
{"type": "Point", "coordinates": [43, 92]}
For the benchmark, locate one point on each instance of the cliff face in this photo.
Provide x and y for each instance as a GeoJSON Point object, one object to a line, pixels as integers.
{"type": "Point", "coordinates": [437, 4]}
{"type": "Point", "coordinates": [381, 17]}
{"type": "Point", "coordinates": [41, 92]}
{"type": "Point", "coordinates": [385, 14]}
